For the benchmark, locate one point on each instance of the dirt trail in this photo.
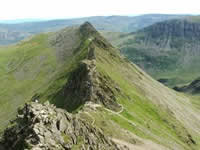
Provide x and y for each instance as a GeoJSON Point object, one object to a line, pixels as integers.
{"type": "Point", "coordinates": [94, 106]}
{"type": "Point", "coordinates": [118, 113]}
{"type": "Point", "coordinates": [148, 145]}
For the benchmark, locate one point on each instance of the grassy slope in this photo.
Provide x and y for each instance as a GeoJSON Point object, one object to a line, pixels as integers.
{"type": "Point", "coordinates": [151, 111]}
{"type": "Point", "coordinates": [27, 69]}
{"type": "Point", "coordinates": [148, 104]}
{"type": "Point", "coordinates": [21, 74]}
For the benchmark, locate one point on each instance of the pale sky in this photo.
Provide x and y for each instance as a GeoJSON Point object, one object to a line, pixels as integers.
{"type": "Point", "coordinates": [22, 9]}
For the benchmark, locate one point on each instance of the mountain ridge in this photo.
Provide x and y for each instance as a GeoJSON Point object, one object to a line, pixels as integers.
{"type": "Point", "coordinates": [109, 23]}
{"type": "Point", "coordinates": [109, 92]}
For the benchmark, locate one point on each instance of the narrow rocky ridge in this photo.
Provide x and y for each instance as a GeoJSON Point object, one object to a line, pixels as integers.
{"type": "Point", "coordinates": [85, 82]}
{"type": "Point", "coordinates": [43, 126]}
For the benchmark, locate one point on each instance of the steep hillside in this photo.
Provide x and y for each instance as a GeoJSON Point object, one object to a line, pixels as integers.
{"type": "Point", "coordinates": [110, 23]}
{"type": "Point", "coordinates": [168, 50]}
{"type": "Point", "coordinates": [85, 75]}
{"type": "Point", "coordinates": [28, 67]}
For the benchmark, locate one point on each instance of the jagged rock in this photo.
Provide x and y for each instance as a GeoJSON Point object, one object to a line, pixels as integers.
{"type": "Point", "coordinates": [44, 127]}
{"type": "Point", "coordinates": [85, 83]}
{"type": "Point", "coordinates": [90, 86]}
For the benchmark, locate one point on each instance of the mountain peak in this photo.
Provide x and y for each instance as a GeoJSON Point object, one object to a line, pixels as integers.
{"type": "Point", "coordinates": [86, 83]}
{"type": "Point", "coordinates": [87, 29]}
{"type": "Point", "coordinates": [87, 25]}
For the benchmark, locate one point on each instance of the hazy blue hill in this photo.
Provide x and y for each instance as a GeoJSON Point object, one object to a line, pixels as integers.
{"type": "Point", "coordinates": [109, 23]}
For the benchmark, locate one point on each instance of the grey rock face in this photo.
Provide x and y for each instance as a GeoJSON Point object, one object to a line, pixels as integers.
{"type": "Point", "coordinates": [44, 127]}
{"type": "Point", "coordinates": [174, 28]}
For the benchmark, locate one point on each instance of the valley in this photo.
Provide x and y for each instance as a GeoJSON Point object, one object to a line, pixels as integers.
{"type": "Point", "coordinates": [168, 51]}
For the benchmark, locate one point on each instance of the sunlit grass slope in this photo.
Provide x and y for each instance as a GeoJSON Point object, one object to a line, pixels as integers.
{"type": "Point", "coordinates": [151, 110]}
{"type": "Point", "coordinates": [29, 67]}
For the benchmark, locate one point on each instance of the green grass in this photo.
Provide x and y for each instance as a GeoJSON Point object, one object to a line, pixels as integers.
{"type": "Point", "coordinates": [152, 122]}
{"type": "Point", "coordinates": [29, 69]}
{"type": "Point", "coordinates": [36, 68]}
{"type": "Point", "coordinates": [66, 138]}
{"type": "Point", "coordinates": [80, 141]}
{"type": "Point", "coordinates": [195, 99]}
{"type": "Point", "coordinates": [23, 72]}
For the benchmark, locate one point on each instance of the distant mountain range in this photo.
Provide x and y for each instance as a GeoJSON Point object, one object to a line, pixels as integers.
{"type": "Point", "coordinates": [168, 50]}
{"type": "Point", "coordinates": [12, 33]}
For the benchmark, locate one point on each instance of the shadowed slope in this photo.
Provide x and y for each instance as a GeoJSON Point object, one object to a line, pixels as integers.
{"type": "Point", "coordinates": [192, 88]}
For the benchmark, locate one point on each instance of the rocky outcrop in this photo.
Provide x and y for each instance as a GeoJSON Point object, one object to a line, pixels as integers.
{"type": "Point", "coordinates": [174, 35]}
{"type": "Point", "coordinates": [85, 82]}
{"type": "Point", "coordinates": [44, 127]}
{"type": "Point", "coordinates": [88, 84]}
{"type": "Point", "coordinates": [174, 28]}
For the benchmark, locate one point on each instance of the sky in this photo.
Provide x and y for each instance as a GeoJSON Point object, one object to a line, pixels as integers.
{"type": "Point", "coordinates": [51, 9]}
